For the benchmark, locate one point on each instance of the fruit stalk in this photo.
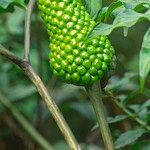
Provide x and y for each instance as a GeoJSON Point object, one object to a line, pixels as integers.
{"type": "Point", "coordinates": [95, 95]}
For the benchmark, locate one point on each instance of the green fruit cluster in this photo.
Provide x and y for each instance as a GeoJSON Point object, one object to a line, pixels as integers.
{"type": "Point", "coordinates": [72, 59]}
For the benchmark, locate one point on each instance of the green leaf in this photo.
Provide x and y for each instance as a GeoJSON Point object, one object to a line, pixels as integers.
{"type": "Point", "coordinates": [144, 64]}
{"type": "Point", "coordinates": [111, 120]}
{"type": "Point", "coordinates": [101, 15]}
{"type": "Point", "coordinates": [125, 83]}
{"type": "Point", "coordinates": [5, 3]}
{"type": "Point", "coordinates": [20, 92]}
{"type": "Point", "coordinates": [127, 18]}
{"type": "Point", "coordinates": [118, 10]}
{"type": "Point", "coordinates": [137, 5]}
{"type": "Point", "coordinates": [93, 7]}
{"type": "Point", "coordinates": [130, 3]}
{"type": "Point", "coordinates": [111, 8]}
{"type": "Point", "coordinates": [135, 107]}
{"type": "Point", "coordinates": [116, 119]}
{"type": "Point", "coordinates": [129, 137]}
{"type": "Point", "coordinates": [146, 104]}
{"type": "Point", "coordinates": [10, 8]}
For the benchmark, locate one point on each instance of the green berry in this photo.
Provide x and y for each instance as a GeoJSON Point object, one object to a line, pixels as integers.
{"type": "Point", "coordinates": [87, 64]}
{"type": "Point", "coordinates": [71, 59]}
{"type": "Point", "coordinates": [81, 70]}
{"type": "Point", "coordinates": [75, 77]}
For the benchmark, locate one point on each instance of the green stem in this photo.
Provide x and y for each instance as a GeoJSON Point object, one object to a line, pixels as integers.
{"type": "Point", "coordinates": [95, 94]}
{"type": "Point", "coordinates": [25, 124]}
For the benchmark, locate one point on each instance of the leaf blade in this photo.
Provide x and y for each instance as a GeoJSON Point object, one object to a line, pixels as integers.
{"type": "Point", "coordinates": [127, 18]}
{"type": "Point", "coordinates": [93, 7]}
{"type": "Point", "coordinates": [144, 63]}
{"type": "Point", "coordinates": [5, 3]}
{"type": "Point", "coordinates": [129, 137]}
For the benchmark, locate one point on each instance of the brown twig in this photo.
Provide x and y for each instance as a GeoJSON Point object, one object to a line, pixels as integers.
{"type": "Point", "coordinates": [29, 9]}
{"type": "Point", "coordinates": [53, 108]}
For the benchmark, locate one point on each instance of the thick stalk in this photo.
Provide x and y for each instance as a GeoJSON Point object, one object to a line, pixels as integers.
{"type": "Point", "coordinates": [95, 94]}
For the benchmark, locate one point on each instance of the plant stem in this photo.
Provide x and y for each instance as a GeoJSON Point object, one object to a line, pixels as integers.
{"type": "Point", "coordinates": [24, 123]}
{"type": "Point", "coordinates": [95, 94]}
{"type": "Point", "coordinates": [28, 13]}
{"type": "Point", "coordinates": [53, 108]}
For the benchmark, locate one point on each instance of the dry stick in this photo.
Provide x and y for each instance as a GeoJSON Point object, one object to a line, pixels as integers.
{"type": "Point", "coordinates": [25, 124]}
{"type": "Point", "coordinates": [53, 108]}
{"type": "Point", "coordinates": [29, 9]}
{"type": "Point", "coordinates": [95, 94]}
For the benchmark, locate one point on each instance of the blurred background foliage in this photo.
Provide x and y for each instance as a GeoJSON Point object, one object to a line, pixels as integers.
{"type": "Point", "coordinates": [72, 100]}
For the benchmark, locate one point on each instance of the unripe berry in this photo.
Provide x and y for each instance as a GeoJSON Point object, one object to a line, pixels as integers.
{"type": "Point", "coordinates": [71, 58]}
